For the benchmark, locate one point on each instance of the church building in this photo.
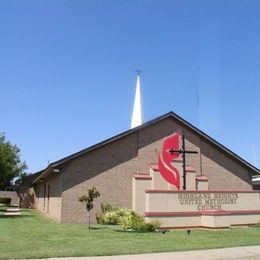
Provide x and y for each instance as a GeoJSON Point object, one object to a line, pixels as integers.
{"type": "Point", "coordinates": [165, 169]}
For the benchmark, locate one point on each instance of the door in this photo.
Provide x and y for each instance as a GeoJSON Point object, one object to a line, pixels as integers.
{"type": "Point", "coordinates": [48, 198]}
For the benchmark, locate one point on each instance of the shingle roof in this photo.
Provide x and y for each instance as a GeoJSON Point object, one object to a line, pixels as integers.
{"type": "Point", "coordinates": [147, 124]}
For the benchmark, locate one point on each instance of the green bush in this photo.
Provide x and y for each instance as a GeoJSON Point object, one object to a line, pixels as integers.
{"type": "Point", "coordinates": [121, 212]}
{"type": "Point", "coordinates": [6, 201]}
{"type": "Point", "coordinates": [132, 220]}
{"type": "Point", "coordinates": [135, 222]}
{"type": "Point", "coordinates": [106, 207]}
{"type": "Point", "coordinates": [114, 216]}
{"type": "Point", "coordinates": [151, 226]}
{"type": "Point", "coordinates": [110, 218]}
{"type": "Point", "coordinates": [127, 218]}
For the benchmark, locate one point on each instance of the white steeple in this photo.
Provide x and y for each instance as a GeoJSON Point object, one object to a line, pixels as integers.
{"type": "Point", "coordinates": [137, 111]}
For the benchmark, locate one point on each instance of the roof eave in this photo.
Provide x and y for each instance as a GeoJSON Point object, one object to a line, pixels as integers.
{"type": "Point", "coordinates": [130, 131]}
{"type": "Point", "coordinates": [45, 172]}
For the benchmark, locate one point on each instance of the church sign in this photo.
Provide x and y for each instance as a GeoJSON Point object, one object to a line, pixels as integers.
{"type": "Point", "coordinates": [179, 197]}
{"type": "Point", "coordinates": [208, 201]}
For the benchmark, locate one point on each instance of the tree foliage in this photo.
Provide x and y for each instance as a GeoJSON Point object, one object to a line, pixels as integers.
{"type": "Point", "coordinates": [88, 201]}
{"type": "Point", "coordinates": [10, 163]}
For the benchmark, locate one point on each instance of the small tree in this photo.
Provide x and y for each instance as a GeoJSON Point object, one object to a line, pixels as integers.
{"type": "Point", "coordinates": [88, 201]}
{"type": "Point", "coordinates": [11, 166]}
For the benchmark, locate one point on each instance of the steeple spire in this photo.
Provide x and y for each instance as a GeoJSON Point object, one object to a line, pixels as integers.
{"type": "Point", "coordinates": [137, 110]}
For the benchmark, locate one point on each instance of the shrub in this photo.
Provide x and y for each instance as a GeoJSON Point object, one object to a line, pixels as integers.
{"type": "Point", "coordinates": [121, 212]}
{"type": "Point", "coordinates": [114, 216]}
{"type": "Point", "coordinates": [6, 201]}
{"type": "Point", "coordinates": [106, 207]}
{"type": "Point", "coordinates": [127, 218]}
{"type": "Point", "coordinates": [135, 222]}
{"type": "Point", "coordinates": [132, 221]}
{"type": "Point", "coordinates": [110, 218]}
{"type": "Point", "coordinates": [151, 226]}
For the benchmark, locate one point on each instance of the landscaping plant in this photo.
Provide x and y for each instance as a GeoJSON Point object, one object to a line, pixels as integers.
{"type": "Point", "coordinates": [88, 201]}
{"type": "Point", "coordinates": [127, 218]}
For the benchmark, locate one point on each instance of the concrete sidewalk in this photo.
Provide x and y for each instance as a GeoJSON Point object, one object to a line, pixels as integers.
{"type": "Point", "coordinates": [245, 252]}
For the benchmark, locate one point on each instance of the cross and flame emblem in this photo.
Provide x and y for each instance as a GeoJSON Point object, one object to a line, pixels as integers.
{"type": "Point", "coordinates": [165, 158]}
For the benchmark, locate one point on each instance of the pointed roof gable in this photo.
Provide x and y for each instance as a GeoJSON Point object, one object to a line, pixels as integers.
{"type": "Point", "coordinates": [172, 115]}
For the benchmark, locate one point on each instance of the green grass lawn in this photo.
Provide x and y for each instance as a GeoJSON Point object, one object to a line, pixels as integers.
{"type": "Point", "coordinates": [32, 235]}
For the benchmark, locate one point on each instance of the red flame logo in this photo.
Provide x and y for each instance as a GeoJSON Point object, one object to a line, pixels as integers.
{"type": "Point", "coordinates": [168, 172]}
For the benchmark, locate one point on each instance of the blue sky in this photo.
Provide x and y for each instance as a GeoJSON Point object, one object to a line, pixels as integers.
{"type": "Point", "coordinates": [67, 71]}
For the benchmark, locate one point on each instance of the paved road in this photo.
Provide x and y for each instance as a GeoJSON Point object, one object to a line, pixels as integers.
{"type": "Point", "coordinates": [240, 253]}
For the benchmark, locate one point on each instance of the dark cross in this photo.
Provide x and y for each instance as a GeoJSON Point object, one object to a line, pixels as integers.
{"type": "Point", "coordinates": [183, 152]}
{"type": "Point", "coordinates": [138, 72]}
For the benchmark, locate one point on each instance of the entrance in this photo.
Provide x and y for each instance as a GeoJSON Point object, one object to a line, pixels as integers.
{"type": "Point", "coordinates": [48, 198]}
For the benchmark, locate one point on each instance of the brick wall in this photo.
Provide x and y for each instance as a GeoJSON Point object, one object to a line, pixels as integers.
{"type": "Point", "coordinates": [110, 168]}
{"type": "Point", "coordinates": [223, 172]}
{"type": "Point", "coordinates": [51, 204]}
{"type": "Point", "coordinates": [12, 195]}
